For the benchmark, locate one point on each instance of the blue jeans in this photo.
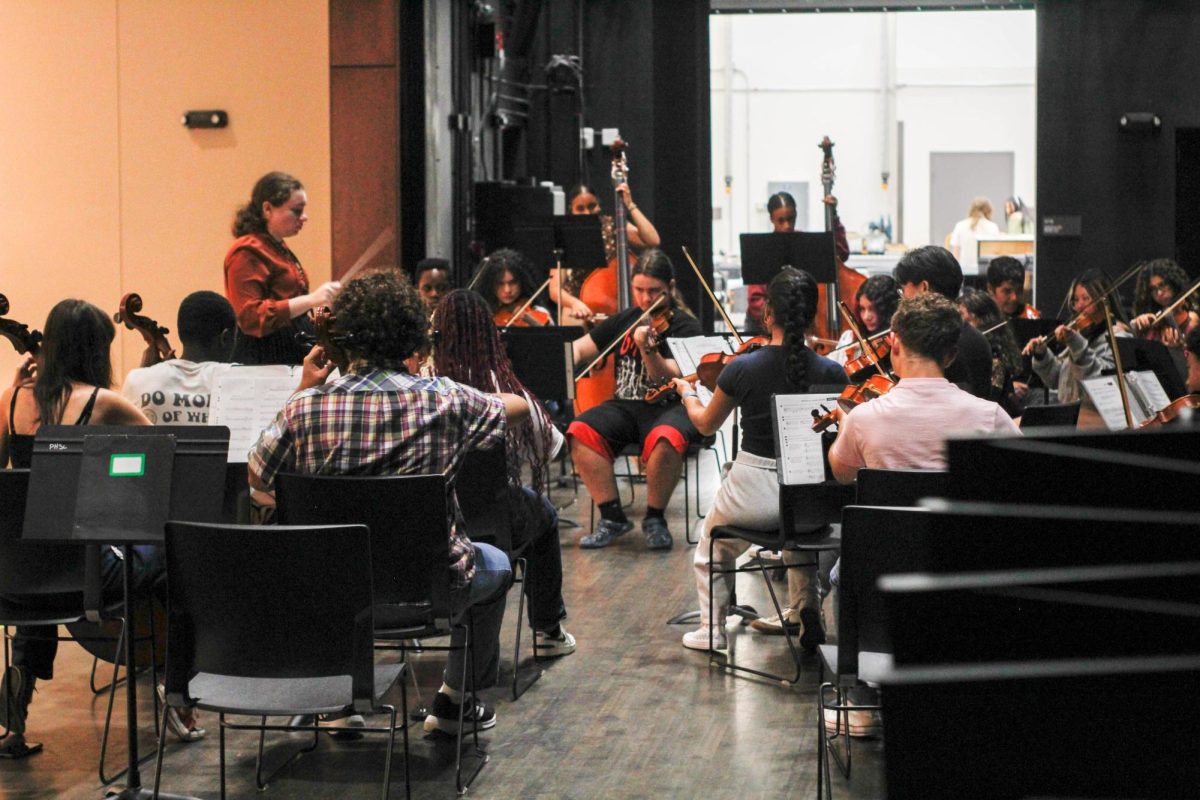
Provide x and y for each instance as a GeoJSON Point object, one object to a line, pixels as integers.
{"type": "Point", "coordinates": [484, 598]}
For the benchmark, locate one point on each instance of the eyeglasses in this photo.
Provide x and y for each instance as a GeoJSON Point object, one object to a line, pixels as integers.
{"type": "Point", "coordinates": [1155, 288]}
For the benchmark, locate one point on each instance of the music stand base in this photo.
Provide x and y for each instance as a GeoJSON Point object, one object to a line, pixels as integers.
{"type": "Point", "coordinates": [745, 612]}
{"type": "Point", "coordinates": [142, 793]}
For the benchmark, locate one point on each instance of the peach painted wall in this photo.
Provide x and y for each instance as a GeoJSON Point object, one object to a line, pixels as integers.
{"type": "Point", "coordinates": [103, 191]}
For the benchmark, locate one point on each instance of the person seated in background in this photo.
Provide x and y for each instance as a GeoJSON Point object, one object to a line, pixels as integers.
{"type": "Point", "coordinates": [1086, 352]}
{"type": "Point", "coordinates": [1159, 284]}
{"type": "Point", "coordinates": [1010, 384]}
{"type": "Point", "coordinates": [469, 351]}
{"type": "Point", "coordinates": [907, 428]}
{"type": "Point", "coordinates": [1191, 351]}
{"type": "Point", "coordinates": [934, 269]}
{"type": "Point", "coordinates": [643, 361]}
{"type": "Point", "coordinates": [68, 383]}
{"type": "Point", "coordinates": [432, 279]}
{"type": "Point", "coordinates": [178, 391]}
{"type": "Point", "coordinates": [378, 419]}
{"type": "Point", "coordinates": [877, 299]}
{"type": "Point", "coordinates": [1006, 285]}
{"type": "Point", "coordinates": [505, 283]}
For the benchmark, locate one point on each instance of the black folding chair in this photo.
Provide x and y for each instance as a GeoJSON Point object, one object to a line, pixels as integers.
{"type": "Point", "coordinates": [248, 636]}
{"type": "Point", "coordinates": [481, 486]}
{"type": "Point", "coordinates": [410, 556]}
{"type": "Point", "coordinates": [51, 584]}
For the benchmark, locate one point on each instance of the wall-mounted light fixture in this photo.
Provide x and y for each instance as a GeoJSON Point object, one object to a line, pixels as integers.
{"type": "Point", "coordinates": [205, 119]}
{"type": "Point", "coordinates": [1146, 123]}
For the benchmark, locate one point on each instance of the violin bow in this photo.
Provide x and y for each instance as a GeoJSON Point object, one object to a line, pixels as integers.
{"type": "Point", "coordinates": [1125, 276]}
{"type": "Point", "coordinates": [871, 338]}
{"type": "Point", "coordinates": [1168, 311]}
{"type": "Point", "coordinates": [716, 304]}
{"type": "Point", "coordinates": [995, 327]}
{"type": "Point", "coordinates": [617, 340]}
{"type": "Point", "coordinates": [384, 238]}
{"type": "Point", "coordinates": [528, 303]}
{"type": "Point", "coordinates": [868, 351]}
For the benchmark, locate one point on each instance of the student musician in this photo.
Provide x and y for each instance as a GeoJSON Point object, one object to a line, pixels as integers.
{"type": "Point", "coordinates": [1191, 351]}
{"type": "Point", "coordinates": [506, 286]}
{"type": "Point", "coordinates": [68, 384]}
{"type": "Point", "coordinates": [781, 207]}
{"type": "Point", "coordinates": [432, 279]}
{"type": "Point", "coordinates": [421, 426]}
{"type": "Point", "coordinates": [643, 361]}
{"type": "Point", "coordinates": [934, 269]}
{"type": "Point", "coordinates": [178, 391]}
{"type": "Point", "coordinates": [877, 299]}
{"type": "Point", "coordinates": [1009, 383]}
{"type": "Point", "coordinates": [1085, 352]}
{"type": "Point", "coordinates": [1006, 285]}
{"type": "Point", "coordinates": [468, 351]}
{"type": "Point", "coordinates": [907, 428]}
{"type": "Point", "coordinates": [265, 284]}
{"type": "Point", "coordinates": [1158, 285]}
{"type": "Point", "coordinates": [749, 494]}
{"type": "Point", "coordinates": [640, 233]}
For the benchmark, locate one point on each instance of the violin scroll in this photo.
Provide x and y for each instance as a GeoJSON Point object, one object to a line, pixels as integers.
{"type": "Point", "coordinates": [23, 339]}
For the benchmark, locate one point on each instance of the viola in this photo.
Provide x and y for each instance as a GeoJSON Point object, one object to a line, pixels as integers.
{"type": "Point", "coordinates": [506, 317]}
{"type": "Point", "coordinates": [707, 371]}
{"type": "Point", "coordinates": [155, 335]}
{"type": "Point", "coordinates": [852, 396]}
{"type": "Point", "coordinates": [23, 339]}
{"type": "Point", "coordinates": [1189, 402]}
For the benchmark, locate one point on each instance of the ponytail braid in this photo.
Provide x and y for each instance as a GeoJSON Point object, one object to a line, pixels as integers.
{"type": "Point", "coordinates": [792, 296]}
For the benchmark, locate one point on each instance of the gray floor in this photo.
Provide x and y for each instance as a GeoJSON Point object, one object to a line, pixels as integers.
{"type": "Point", "coordinates": [630, 714]}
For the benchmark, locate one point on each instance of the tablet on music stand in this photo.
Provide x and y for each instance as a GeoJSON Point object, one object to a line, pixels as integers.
{"type": "Point", "coordinates": [763, 254]}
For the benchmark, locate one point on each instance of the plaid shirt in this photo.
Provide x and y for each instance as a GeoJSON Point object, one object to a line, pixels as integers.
{"type": "Point", "coordinates": [381, 422]}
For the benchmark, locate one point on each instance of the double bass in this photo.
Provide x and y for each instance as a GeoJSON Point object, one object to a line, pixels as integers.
{"type": "Point", "coordinates": [607, 291]}
{"type": "Point", "coordinates": [848, 280]}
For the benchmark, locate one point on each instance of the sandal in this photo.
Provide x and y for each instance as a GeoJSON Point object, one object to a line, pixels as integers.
{"type": "Point", "coordinates": [181, 722]}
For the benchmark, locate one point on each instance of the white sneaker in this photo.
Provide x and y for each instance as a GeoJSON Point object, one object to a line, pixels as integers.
{"type": "Point", "coordinates": [861, 724]}
{"type": "Point", "coordinates": [699, 639]}
{"type": "Point", "coordinates": [547, 646]}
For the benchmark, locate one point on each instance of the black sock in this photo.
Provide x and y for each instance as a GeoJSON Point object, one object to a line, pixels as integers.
{"type": "Point", "coordinates": [612, 511]}
{"type": "Point", "coordinates": [652, 512]}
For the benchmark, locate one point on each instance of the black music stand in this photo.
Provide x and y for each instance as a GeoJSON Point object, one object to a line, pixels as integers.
{"type": "Point", "coordinates": [541, 359]}
{"type": "Point", "coordinates": [763, 254]}
{"type": "Point", "coordinates": [124, 465]}
{"type": "Point", "coordinates": [579, 237]}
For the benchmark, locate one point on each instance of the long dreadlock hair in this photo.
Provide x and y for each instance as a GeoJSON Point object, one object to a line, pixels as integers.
{"type": "Point", "coordinates": [468, 350]}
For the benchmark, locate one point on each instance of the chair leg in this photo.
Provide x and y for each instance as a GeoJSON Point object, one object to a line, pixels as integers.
{"type": "Point", "coordinates": [468, 662]}
{"type": "Point", "coordinates": [92, 679]}
{"type": "Point", "coordinates": [404, 733]}
{"type": "Point", "coordinates": [261, 782]}
{"type": "Point", "coordinates": [221, 750]}
{"type": "Point", "coordinates": [162, 743]}
{"type": "Point", "coordinates": [112, 694]}
{"type": "Point", "coordinates": [10, 702]}
{"type": "Point", "coordinates": [786, 636]}
{"type": "Point", "coordinates": [517, 689]}
{"type": "Point", "coordinates": [387, 758]}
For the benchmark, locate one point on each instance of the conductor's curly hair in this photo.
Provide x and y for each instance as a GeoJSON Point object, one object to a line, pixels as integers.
{"type": "Point", "coordinates": [382, 318]}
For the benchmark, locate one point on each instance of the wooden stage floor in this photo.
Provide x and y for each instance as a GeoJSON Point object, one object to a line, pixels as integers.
{"type": "Point", "coordinates": [631, 714]}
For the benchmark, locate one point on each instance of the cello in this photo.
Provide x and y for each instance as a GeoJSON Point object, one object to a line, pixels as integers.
{"type": "Point", "coordinates": [607, 291]}
{"type": "Point", "coordinates": [155, 335]}
{"type": "Point", "coordinates": [848, 280]}
{"type": "Point", "coordinates": [23, 339]}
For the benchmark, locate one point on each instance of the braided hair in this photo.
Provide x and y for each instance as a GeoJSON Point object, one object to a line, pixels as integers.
{"type": "Point", "coordinates": [792, 298]}
{"type": "Point", "coordinates": [468, 350]}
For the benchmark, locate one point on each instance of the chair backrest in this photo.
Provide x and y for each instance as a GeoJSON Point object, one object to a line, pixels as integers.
{"type": "Point", "coordinates": [481, 486]}
{"type": "Point", "coordinates": [1101, 611]}
{"type": "Point", "coordinates": [1080, 472]}
{"type": "Point", "coordinates": [410, 538]}
{"type": "Point", "coordinates": [30, 568]}
{"type": "Point", "coordinates": [811, 508]}
{"type": "Point", "coordinates": [269, 602]}
{"type": "Point", "coordinates": [898, 487]}
{"type": "Point", "coordinates": [1044, 729]}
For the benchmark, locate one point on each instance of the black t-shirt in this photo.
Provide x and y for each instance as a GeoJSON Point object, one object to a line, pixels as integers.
{"type": "Point", "coordinates": [973, 365]}
{"type": "Point", "coordinates": [752, 379]}
{"type": "Point", "coordinates": [631, 370]}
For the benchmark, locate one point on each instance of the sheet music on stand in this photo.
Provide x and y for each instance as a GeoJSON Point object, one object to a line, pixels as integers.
{"type": "Point", "coordinates": [801, 456]}
{"type": "Point", "coordinates": [246, 399]}
{"type": "Point", "coordinates": [688, 351]}
{"type": "Point", "coordinates": [1146, 396]}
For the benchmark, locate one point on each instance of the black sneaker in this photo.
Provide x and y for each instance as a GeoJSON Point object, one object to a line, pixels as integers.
{"type": "Point", "coordinates": [444, 716]}
{"type": "Point", "coordinates": [814, 631]}
{"type": "Point", "coordinates": [16, 692]}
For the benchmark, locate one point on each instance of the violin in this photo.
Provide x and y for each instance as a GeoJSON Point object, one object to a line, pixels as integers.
{"type": "Point", "coordinates": [23, 339]}
{"type": "Point", "coordinates": [1179, 406]}
{"type": "Point", "coordinates": [155, 335]}
{"type": "Point", "coordinates": [857, 358]}
{"type": "Point", "coordinates": [507, 317]}
{"type": "Point", "coordinates": [851, 396]}
{"type": "Point", "coordinates": [710, 366]}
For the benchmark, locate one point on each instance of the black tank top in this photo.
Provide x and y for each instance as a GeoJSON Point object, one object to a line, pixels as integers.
{"type": "Point", "coordinates": [20, 445]}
